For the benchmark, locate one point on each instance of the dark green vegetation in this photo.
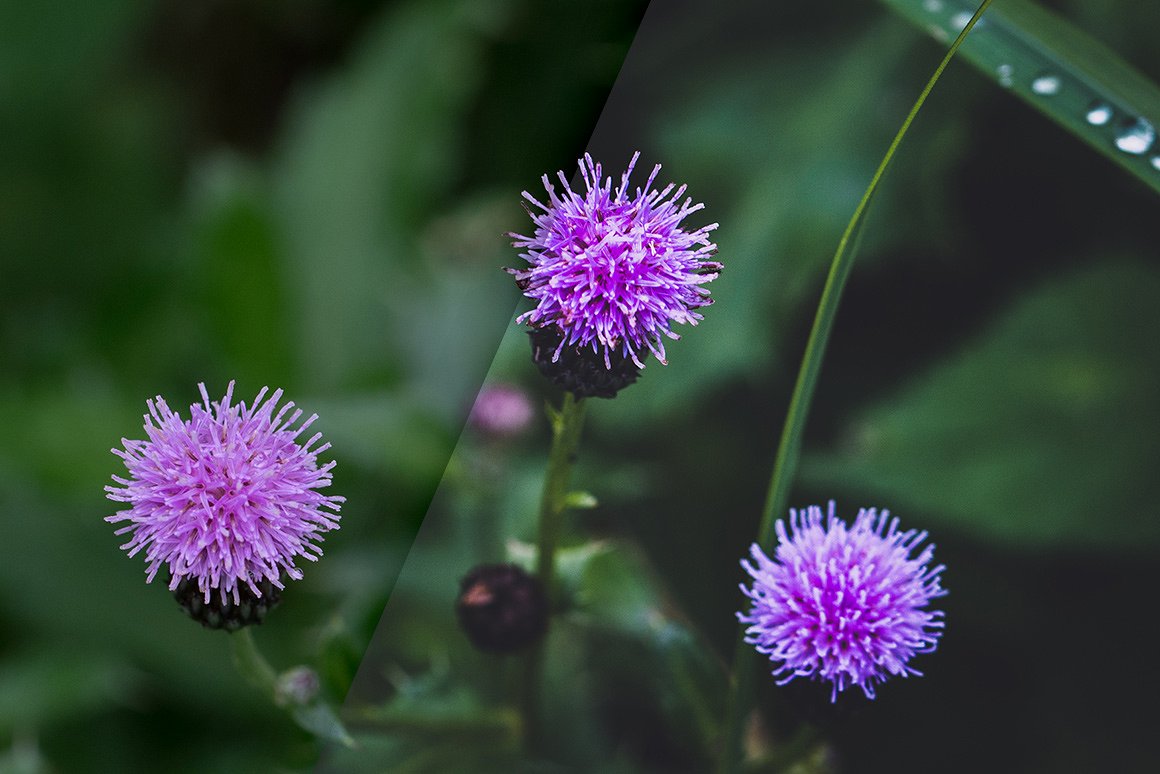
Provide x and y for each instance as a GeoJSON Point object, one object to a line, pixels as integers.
{"type": "Point", "coordinates": [313, 195]}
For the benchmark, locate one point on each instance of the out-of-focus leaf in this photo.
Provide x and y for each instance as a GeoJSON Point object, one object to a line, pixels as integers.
{"type": "Point", "coordinates": [368, 154]}
{"type": "Point", "coordinates": [40, 443]}
{"type": "Point", "coordinates": [320, 720]}
{"type": "Point", "coordinates": [24, 757]}
{"type": "Point", "coordinates": [1044, 431]}
{"type": "Point", "coordinates": [580, 500]}
{"type": "Point", "coordinates": [430, 720]}
{"type": "Point", "coordinates": [795, 169]}
{"type": "Point", "coordinates": [1072, 78]}
{"type": "Point", "coordinates": [50, 686]}
{"type": "Point", "coordinates": [571, 562]}
{"type": "Point", "coordinates": [241, 283]}
{"type": "Point", "coordinates": [94, 35]}
{"type": "Point", "coordinates": [619, 596]}
{"type": "Point", "coordinates": [367, 429]}
{"type": "Point", "coordinates": [615, 591]}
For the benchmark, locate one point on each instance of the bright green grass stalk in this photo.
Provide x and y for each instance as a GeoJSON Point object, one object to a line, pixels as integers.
{"type": "Point", "coordinates": [789, 449]}
{"type": "Point", "coordinates": [1073, 79]}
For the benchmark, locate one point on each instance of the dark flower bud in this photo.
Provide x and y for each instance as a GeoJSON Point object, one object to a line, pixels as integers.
{"type": "Point", "coordinates": [227, 613]}
{"type": "Point", "coordinates": [579, 369]}
{"type": "Point", "coordinates": [501, 608]}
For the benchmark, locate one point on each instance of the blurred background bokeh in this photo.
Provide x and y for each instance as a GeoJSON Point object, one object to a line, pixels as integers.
{"type": "Point", "coordinates": [313, 195]}
{"type": "Point", "coordinates": [305, 194]}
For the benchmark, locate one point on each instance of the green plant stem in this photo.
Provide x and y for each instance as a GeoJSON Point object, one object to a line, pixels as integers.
{"type": "Point", "coordinates": [251, 663]}
{"type": "Point", "coordinates": [566, 427]}
{"type": "Point", "coordinates": [741, 687]}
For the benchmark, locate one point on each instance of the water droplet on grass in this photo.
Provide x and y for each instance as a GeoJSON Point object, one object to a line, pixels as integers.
{"type": "Point", "coordinates": [1136, 137]}
{"type": "Point", "coordinates": [960, 20]}
{"type": "Point", "coordinates": [1046, 85]}
{"type": "Point", "coordinates": [1156, 163]}
{"type": "Point", "coordinates": [932, 6]}
{"type": "Point", "coordinates": [1099, 113]}
{"type": "Point", "coordinates": [1006, 75]}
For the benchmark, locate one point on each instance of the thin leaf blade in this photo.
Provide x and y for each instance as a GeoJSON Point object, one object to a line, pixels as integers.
{"type": "Point", "coordinates": [1062, 71]}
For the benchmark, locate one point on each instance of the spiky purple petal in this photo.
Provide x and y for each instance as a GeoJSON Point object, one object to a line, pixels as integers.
{"type": "Point", "coordinates": [843, 604]}
{"type": "Point", "coordinates": [228, 497]}
{"type": "Point", "coordinates": [613, 270]}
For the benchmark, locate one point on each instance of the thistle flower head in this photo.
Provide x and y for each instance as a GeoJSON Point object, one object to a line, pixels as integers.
{"type": "Point", "coordinates": [613, 270]}
{"type": "Point", "coordinates": [843, 604]}
{"type": "Point", "coordinates": [226, 499]}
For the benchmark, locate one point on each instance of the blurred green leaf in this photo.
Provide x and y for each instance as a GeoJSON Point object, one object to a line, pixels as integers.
{"type": "Point", "coordinates": [785, 203]}
{"type": "Point", "coordinates": [614, 589]}
{"type": "Point", "coordinates": [321, 720]}
{"type": "Point", "coordinates": [580, 500]}
{"type": "Point", "coordinates": [618, 594]}
{"type": "Point", "coordinates": [40, 445]}
{"type": "Point", "coordinates": [572, 562]}
{"type": "Point", "coordinates": [240, 277]}
{"type": "Point", "coordinates": [431, 722]}
{"type": "Point", "coordinates": [1043, 431]}
{"type": "Point", "coordinates": [24, 757]}
{"type": "Point", "coordinates": [51, 686]}
{"type": "Point", "coordinates": [1059, 69]}
{"type": "Point", "coordinates": [367, 156]}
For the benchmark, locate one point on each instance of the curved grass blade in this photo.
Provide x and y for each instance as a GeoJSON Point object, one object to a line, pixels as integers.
{"type": "Point", "coordinates": [1075, 80]}
{"type": "Point", "coordinates": [741, 690]}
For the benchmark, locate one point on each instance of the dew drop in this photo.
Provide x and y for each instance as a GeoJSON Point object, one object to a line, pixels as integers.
{"type": "Point", "coordinates": [932, 6]}
{"type": "Point", "coordinates": [1046, 85]}
{"type": "Point", "coordinates": [1099, 113]}
{"type": "Point", "coordinates": [1136, 137]}
{"type": "Point", "coordinates": [1006, 75]}
{"type": "Point", "coordinates": [961, 20]}
{"type": "Point", "coordinates": [1156, 163]}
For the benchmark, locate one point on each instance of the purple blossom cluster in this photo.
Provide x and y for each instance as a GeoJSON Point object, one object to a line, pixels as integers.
{"type": "Point", "coordinates": [843, 604]}
{"type": "Point", "coordinates": [613, 270]}
{"type": "Point", "coordinates": [227, 498]}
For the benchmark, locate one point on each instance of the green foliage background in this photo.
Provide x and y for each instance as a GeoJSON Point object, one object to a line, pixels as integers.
{"type": "Point", "coordinates": [313, 194]}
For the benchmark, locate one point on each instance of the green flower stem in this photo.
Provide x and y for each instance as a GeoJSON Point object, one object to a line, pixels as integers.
{"type": "Point", "coordinates": [789, 448]}
{"type": "Point", "coordinates": [251, 663]}
{"type": "Point", "coordinates": [566, 427]}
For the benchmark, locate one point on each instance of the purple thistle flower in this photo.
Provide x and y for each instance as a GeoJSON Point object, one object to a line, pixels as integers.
{"type": "Point", "coordinates": [843, 604]}
{"type": "Point", "coordinates": [227, 498]}
{"type": "Point", "coordinates": [614, 271]}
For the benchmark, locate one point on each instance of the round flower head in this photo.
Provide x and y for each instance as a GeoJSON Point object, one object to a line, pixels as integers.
{"type": "Point", "coordinates": [844, 604]}
{"type": "Point", "coordinates": [227, 499]}
{"type": "Point", "coordinates": [612, 271]}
